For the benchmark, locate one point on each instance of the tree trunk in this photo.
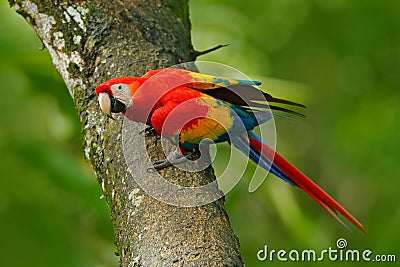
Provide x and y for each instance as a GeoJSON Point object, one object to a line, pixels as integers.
{"type": "Point", "coordinates": [92, 41]}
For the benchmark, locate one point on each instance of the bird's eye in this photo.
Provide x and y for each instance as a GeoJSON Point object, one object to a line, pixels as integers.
{"type": "Point", "coordinates": [120, 87]}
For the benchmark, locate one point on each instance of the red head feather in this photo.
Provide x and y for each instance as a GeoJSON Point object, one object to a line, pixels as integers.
{"type": "Point", "coordinates": [105, 87]}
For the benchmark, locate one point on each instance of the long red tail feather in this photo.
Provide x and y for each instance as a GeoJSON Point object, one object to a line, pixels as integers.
{"type": "Point", "coordinates": [302, 181]}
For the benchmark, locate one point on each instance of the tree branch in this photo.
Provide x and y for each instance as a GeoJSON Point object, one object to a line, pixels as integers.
{"type": "Point", "coordinates": [92, 41]}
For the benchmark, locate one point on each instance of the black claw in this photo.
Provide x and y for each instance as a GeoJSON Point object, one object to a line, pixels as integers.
{"type": "Point", "coordinates": [148, 129]}
{"type": "Point", "coordinates": [159, 165]}
{"type": "Point", "coordinates": [174, 158]}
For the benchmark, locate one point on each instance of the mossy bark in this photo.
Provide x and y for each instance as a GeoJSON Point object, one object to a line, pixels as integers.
{"type": "Point", "coordinates": [92, 41]}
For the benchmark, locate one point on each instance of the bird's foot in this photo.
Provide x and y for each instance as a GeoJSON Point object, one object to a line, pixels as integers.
{"type": "Point", "coordinates": [173, 158]}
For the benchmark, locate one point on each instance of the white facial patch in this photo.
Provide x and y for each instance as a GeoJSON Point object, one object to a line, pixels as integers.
{"type": "Point", "coordinates": [122, 93]}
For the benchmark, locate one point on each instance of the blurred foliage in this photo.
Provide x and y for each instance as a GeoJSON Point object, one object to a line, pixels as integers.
{"type": "Point", "coordinates": [339, 57]}
{"type": "Point", "coordinates": [50, 207]}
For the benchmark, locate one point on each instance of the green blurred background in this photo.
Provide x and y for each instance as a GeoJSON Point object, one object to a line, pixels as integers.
{"type": "Point", "coordinates": [341, 58]}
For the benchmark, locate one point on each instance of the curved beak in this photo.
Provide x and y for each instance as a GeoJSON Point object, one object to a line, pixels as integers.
{"type": "Point", "coordinates": [109, 105]}
{"type": "Point", "coordinates": [105, 104]}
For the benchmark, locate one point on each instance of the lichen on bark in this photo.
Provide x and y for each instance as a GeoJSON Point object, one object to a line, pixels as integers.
{"type": "Point", "coordinates": [92, 41]}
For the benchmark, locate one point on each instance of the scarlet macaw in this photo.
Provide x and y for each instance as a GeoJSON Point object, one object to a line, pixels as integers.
{"type": "Point", "coordinates": [204, 106]}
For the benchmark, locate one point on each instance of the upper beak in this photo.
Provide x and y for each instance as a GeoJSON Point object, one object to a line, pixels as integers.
{"type": "Point", "coordinates": [105, 104]}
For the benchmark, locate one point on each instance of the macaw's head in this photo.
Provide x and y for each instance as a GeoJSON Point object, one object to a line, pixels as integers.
{"type": "Point", "coordinates": [115, 95]}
